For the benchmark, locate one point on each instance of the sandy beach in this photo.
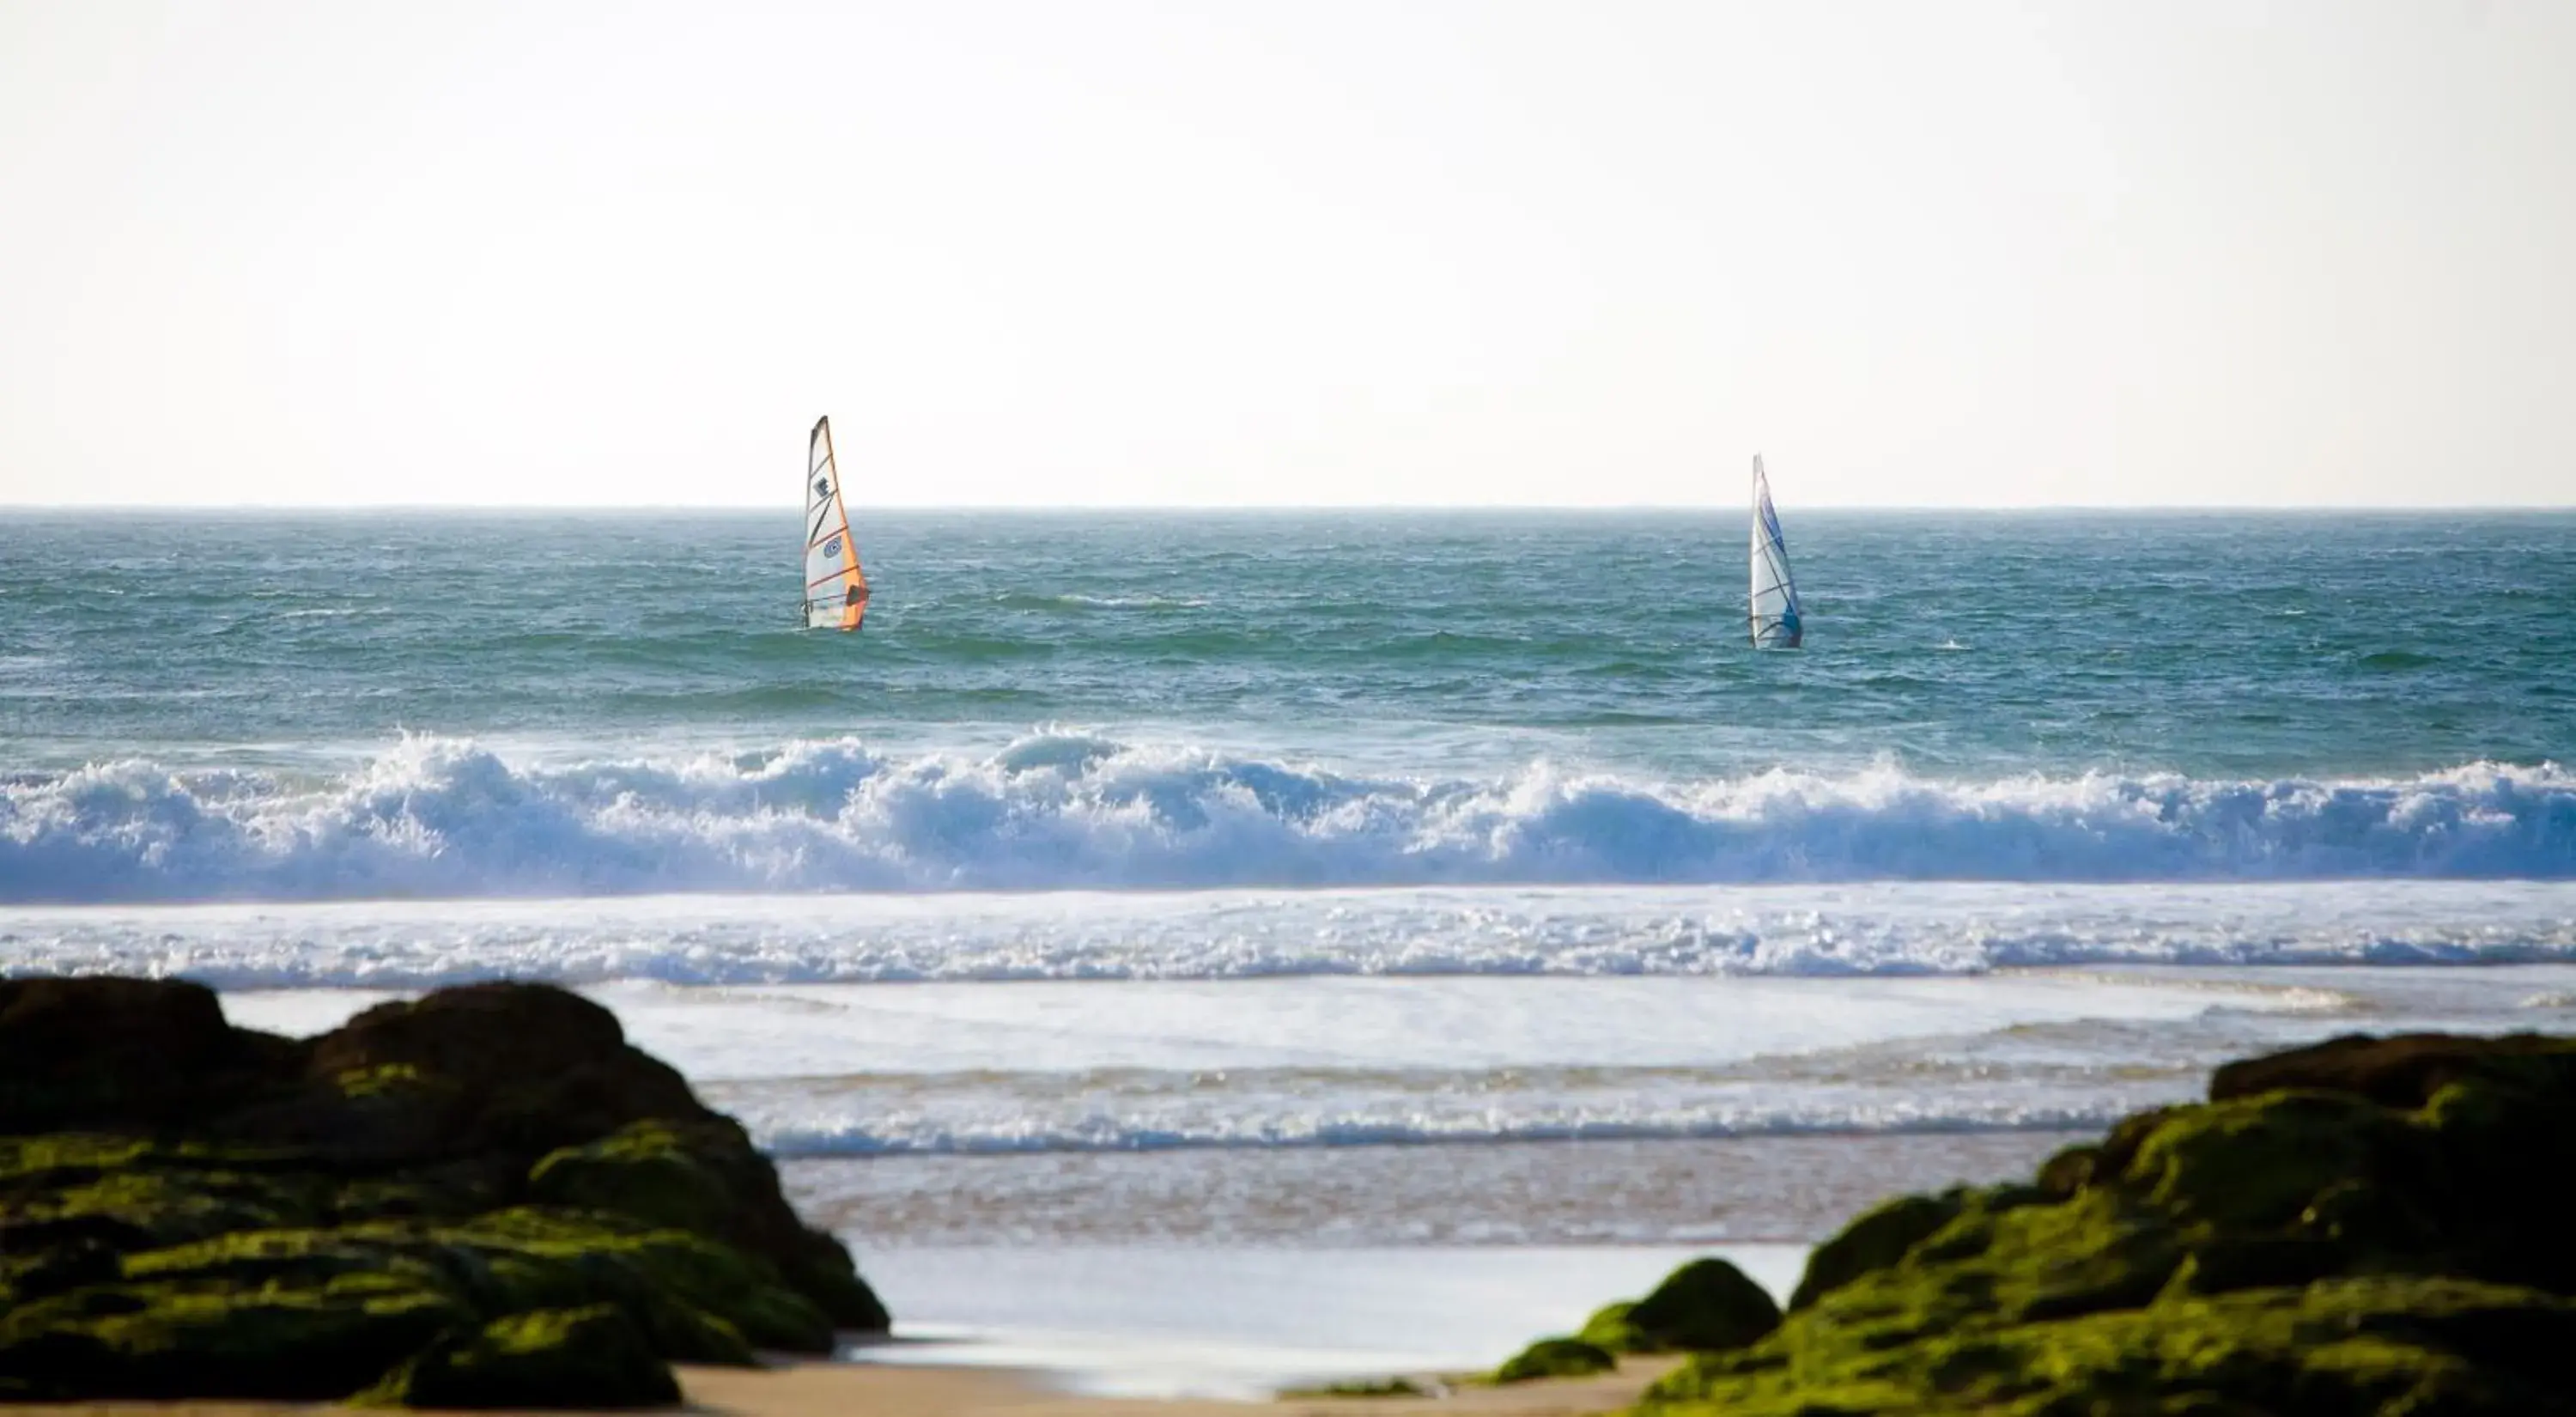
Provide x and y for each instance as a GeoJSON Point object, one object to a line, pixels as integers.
{"type": "Point", "coordinates": [865, 1390]}
{"type": "Point", "coordinates": [815, 1389]}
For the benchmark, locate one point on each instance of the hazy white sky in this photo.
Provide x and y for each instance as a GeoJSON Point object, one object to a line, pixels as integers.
{"type": "Point", "coordinates": [1306, 252]}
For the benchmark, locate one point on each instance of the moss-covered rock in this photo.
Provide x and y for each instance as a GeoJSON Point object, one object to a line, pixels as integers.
{"type": "Point", "coordinates": [592, 1358]}
{"type": "Point", "coordinates": [136, 1195]}
{"type": "Point", "coordinates": [99, 1054]}
{"type": "Point", "coordinates": [294, 1340]}
{"type": "Point", "coordinates": [2366, 1227]}
{"type": "Point", "coordinates": [1609, 1329]}
{"type": "Point", "coordinates": [645, 1170]}
{"type": "Point", "coordinates": [2255, 1163]}
{"type": "Point", "coordinates": [2367, 1348]}
{"type": "Point", "coordinates": [1706, 1305]}
{"type": "Point", "coordinates": [1555, 1358]}
{"type": "Point", "coordinates": [694, 1300]}
{"type": "Point", "coordinates": [1363, 1387]}
{"type": "Point", "coordinates": [1876, 1240]}
{"type": "Point", "coordinates": [693, 1176]}
{"type": "Point", "coordinates": [533, 1251]}
{"type": "Point", "coordinates": [2402, 1071]}
{"type": "Point", "coordinates": [264, 1217]}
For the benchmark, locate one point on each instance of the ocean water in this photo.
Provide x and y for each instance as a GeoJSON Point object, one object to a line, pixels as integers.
{"type": "Point", "coordinates": [359, 707]}
{"type": "Point", "coordinates": [1315, 884]}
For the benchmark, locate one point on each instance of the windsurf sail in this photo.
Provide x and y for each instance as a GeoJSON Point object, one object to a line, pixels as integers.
{"type": "Point", "coordinates": [836, 590]}
{"type": "Point", "coordinates": [1777, 624]}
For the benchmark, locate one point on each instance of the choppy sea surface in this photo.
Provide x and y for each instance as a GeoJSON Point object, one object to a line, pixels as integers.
{"type": "Point", "coordinates": [1354, 879]}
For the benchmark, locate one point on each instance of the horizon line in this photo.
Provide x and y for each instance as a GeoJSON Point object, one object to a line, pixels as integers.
{"type": "Point", "coordinates": [633, 508]}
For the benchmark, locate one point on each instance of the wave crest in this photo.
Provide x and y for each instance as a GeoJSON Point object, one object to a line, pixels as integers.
{"type": "Point", "coordinates": [436, 817]}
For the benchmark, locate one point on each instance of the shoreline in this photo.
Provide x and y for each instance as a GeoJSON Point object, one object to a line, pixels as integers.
{"type": "Point", "coordinates": [819, 1389]}
{"type": "Point", "coordinates": [842, 1388]}
{"type": "Point", "coordinates": [1246, 1322]}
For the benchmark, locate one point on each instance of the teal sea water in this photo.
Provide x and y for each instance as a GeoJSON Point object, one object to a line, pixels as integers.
{"type": "Point", "coordinates": [264, 707]}
{"type": "Point", "coordinates": [1971, 645]}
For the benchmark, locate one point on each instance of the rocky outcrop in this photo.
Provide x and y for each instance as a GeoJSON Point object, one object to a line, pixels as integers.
{"type": "Point", "coordinates": [481, 1197]}
{"type": "Point", "coordinates": [1707, 1305]}
{"type": "Point", "coordinates": [2369, 1226]}
{"type": "Point", "coordinates": [589, 1358]}
{"type": "Point", "coordinates": [1555, 1358]}
{"type": "Point", "coordinates": [123, 1054]}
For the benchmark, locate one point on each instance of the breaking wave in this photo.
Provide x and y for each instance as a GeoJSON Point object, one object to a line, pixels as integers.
{"type": "Point", "coordinates": [446, 818]}
{"type": "Point", "coordinates": [994, 1113]}
{"type": "Point", "coordinates": [1101, 1135]}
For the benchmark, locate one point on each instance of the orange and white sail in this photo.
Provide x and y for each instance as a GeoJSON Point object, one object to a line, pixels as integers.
{"type": "Point", "coordinates": [836, 590]}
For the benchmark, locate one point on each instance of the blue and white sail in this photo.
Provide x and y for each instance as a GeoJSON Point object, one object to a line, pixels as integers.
{"type": "Point", "coordinates": [1777, 623]}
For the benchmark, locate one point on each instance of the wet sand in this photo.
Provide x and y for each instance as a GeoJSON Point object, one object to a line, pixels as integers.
{"type": "Point", "coordinates": [889, 1390]}
{"type": "Point", "coordinates": [871, 1390]}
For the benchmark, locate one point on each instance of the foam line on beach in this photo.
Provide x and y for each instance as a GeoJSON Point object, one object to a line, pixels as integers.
{"type": "Point", "coordinates": [1878, 929]}
{"type": "Point", "coordinates": [1329, 1132]}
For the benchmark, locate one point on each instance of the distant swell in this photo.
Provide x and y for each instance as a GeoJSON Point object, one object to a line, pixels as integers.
{"type": "Point", "coordinates": [446, 818]}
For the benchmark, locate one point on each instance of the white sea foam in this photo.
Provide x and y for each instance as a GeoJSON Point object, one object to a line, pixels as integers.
{"type": "Point", "coordinates": [971, 1069]}
{"type": "Point", "coordinates": [1025, 1135]}
{"type": "Point", "coordinates": [1870, 929]}
{"type": "Point", "coordinates": [1003, 1113]}
{"type": "Point", "coordinates": [1021, 600]}
{"type": "Point", "coordinates": [447, 818]}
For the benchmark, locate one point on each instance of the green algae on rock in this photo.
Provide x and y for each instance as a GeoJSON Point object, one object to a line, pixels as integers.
{"type": "Point", "coordinates": [1365, 1387]}
{"type": "Point", "coordinates": [1877, 1239]}
{"type": "Point", "coordinates": [481, 1197]}
{"type": "Point", "coordinates": [1707, 1304]}
{"type": "Point", "coordinates": [2371, 1226]}
{"type": "Point", "coordinates": [688, 1176]}
{"type": "Point", "coordinates": [1555, 1358]}
{"type": "Point", "coordinates": [592, 1357]}
{"type": "Point", "coordinates": [2388, 1345]}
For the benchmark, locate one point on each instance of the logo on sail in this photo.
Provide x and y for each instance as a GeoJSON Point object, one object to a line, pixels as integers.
{"type": "Point", "coordinates": [831, 548]}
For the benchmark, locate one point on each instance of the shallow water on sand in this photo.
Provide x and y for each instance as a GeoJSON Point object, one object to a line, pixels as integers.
{"type": "Point", "coordinates": [1728, 1191]}
{"type": "Point", "coordinates": [1235, 1322]}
